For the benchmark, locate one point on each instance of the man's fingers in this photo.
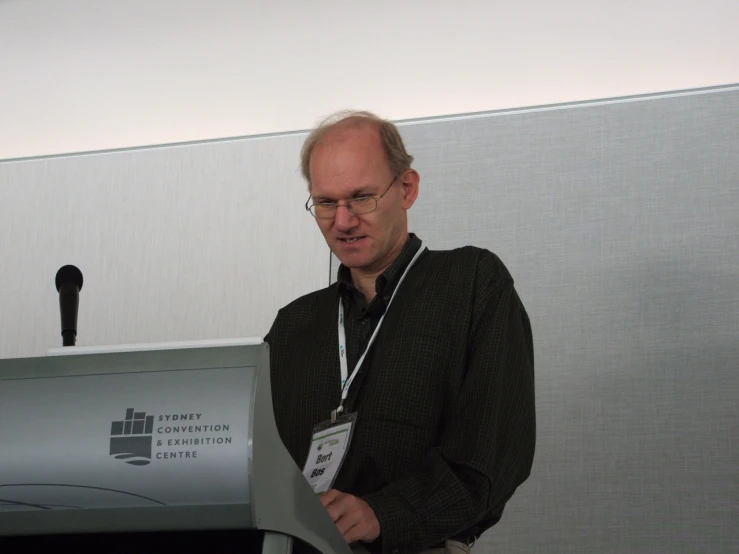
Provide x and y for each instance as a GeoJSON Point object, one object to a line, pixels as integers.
{"type": "Point", "coordinates": [347, 520]}
{"type": "Point", "coordinates": [329, 496]}
{"type": "Point", "coordinates": [354, 519]}
{"type": "Point", "coordinates": [354, 524]}
{"type": "Point", "coordinates": [357, 532]}
{"type": "Point", "coordinates": [338, 506]}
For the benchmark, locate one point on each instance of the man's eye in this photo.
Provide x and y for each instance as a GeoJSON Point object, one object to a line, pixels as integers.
{"type": "Point", "coordinates": [325, 204]}
{"type": "Point", "coordinates": [361, 199]}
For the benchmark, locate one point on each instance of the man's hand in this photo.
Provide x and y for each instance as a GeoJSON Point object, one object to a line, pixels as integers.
{"type": "Point", "coordinates": [352, 516]}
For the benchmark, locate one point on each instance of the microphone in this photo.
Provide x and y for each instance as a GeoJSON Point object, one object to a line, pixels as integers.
{"type": "Point", "coordinates": [69, 284]}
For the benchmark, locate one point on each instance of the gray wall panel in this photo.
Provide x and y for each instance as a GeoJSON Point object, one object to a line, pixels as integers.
{"type": "Point", "coordinates": [175, 243]}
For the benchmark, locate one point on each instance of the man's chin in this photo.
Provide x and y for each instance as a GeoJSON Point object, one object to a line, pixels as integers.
{"type": "Point", "coordinates": [352, 261]}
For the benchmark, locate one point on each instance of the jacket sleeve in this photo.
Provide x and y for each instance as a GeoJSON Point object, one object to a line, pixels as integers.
{"type": "Point", "coordinates": [487, 444]}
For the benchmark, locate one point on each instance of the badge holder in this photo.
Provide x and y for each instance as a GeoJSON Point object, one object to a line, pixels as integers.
{"type": "Point", "coordinates": [329, 447]}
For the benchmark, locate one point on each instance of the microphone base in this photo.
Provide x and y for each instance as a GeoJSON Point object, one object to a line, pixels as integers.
{"type": "Point", "coordinates": [69, 338]}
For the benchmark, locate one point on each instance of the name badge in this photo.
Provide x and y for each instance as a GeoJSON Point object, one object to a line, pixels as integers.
{"type": "Point", "coordinates": [328, 448]}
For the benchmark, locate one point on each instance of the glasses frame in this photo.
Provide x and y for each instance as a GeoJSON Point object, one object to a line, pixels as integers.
{"type": "Point", "coordinates": [348, 203]}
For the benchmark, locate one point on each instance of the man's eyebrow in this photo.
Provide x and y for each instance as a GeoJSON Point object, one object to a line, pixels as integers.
{"type": "Point", "coordinates": [360, 191]}
{"type": "Point", "coordinates": [319, 198]}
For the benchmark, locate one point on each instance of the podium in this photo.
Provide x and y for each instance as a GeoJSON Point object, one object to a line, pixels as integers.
{"type": "Point", "coordinates": [162, 438]}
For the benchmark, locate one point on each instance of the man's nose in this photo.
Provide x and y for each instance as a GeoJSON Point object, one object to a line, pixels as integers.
{"type": "Point", "coordinates": [345, 219]}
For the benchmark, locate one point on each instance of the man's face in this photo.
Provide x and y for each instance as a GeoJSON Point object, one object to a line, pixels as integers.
{"type": "Point", "coordinates": [349, 163]}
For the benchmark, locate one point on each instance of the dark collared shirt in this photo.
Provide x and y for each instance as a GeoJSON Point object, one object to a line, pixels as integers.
{"type": "Point", "coordinates": [361, 317]}
{"type": "Point", "coordinates": [445, 398]}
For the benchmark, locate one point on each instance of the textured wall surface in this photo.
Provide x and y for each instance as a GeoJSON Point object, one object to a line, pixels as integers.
{"type": "Point", "coordinates": [175, 243]}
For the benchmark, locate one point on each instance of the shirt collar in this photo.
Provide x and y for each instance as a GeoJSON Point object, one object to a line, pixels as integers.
{"type": "Point", "coordinates": [388, 280]}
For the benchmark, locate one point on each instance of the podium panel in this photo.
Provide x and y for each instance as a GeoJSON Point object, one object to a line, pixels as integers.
{"type": "Point", "coordinates": [120, 440]}
{"type": "Point", "coordinates": [174, 437]}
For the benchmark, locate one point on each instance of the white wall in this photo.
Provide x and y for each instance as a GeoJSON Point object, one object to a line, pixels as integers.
{"type": "Point", "coordinates": [81, 75]}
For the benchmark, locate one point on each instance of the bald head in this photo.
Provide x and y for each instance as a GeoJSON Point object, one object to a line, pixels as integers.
{"type": "Point", "coordinates": [350, 150]}
{"type": "Point", "coordinates": [380, 135]}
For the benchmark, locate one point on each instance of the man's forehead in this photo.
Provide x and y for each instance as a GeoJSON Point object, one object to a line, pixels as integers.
{"type": "Point", "coordinates": [351, 136]}
{"type": "Point", "coordinates": [346, 160]}
{"type": "Point", "coordinates": [344, 186]}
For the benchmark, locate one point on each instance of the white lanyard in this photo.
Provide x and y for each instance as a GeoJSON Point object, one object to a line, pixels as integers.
{"type": "Point", "coordinates": [345, 384]}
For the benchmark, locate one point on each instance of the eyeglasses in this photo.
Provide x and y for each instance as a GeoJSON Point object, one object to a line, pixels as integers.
{"type": "Point", "coordinates": [358, 205]}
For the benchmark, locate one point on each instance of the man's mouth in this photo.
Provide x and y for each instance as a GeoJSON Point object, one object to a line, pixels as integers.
{"type": "Point", "coordinates": [350, 240]}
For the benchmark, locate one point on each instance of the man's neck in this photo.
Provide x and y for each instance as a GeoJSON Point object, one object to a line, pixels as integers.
{"type": "Point", "coordinates": [365, 283]}
{"type": "Point", "coordinates": [365, 280]}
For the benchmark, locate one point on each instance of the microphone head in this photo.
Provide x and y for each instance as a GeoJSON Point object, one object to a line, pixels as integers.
{"type": "Point", "coordinates": [68, 274]}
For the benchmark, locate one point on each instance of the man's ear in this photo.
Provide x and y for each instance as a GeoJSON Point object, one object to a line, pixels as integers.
{"type": "Point", "coordinates": [409, 185]}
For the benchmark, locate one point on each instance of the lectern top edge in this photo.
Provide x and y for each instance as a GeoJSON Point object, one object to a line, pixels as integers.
{"type": "Point", "coordinates": [143, 347]}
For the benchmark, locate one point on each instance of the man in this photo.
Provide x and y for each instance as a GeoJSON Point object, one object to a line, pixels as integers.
{"type": "Point", "coordinates": [431, 364]}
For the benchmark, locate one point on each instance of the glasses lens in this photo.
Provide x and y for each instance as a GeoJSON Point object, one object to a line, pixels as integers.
{"type": "Point", "coordinates": [363, 205]}
{"type": "Point", "coordinates": [357, 206]}
{"type": "Point", "coordinates": [323, 211]}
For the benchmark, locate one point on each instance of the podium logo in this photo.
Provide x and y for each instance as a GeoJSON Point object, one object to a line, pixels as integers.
{"type": "Point", "coordinates": [130, 439]}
